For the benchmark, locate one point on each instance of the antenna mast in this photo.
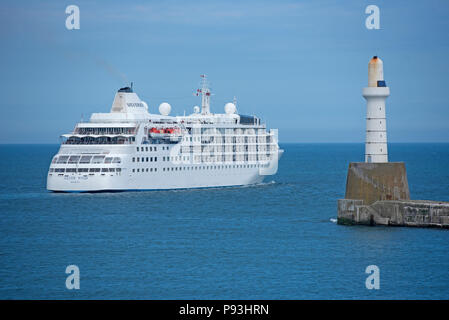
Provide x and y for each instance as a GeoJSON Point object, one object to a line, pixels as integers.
{"type": "Point", "coordinates": [205, 95]}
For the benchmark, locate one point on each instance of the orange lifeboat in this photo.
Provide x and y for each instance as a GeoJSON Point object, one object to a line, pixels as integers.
{"type": "Point", "coordinates": [173, 134]}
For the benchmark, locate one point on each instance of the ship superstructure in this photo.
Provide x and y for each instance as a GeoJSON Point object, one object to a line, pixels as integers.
{"type": "Point", "coordinates": [130, 148]}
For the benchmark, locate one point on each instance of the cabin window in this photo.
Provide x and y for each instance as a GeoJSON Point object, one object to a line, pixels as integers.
{"type": "Point", "coordinates": [85, 159]}
{"type": "Point", "coordinates": [63, 159]}
{"type": "Point", "coordinates": [108, 160]}
{"type": "Point", "coordinates": [74, 159]}
{"type": "Point", "coordinates": [134, 159]}
{"type": "Point", "coordinates": [116, 160]}
{"type": "Point", "coordinates": [98, 159]}
{"type": "Point", "coordinates": [137, 149]}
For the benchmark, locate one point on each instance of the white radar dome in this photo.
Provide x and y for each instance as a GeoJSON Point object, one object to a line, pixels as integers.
{"type": "Point", "coordinates": [164, 108]}
{"type": "Point", "coordinates": [230, 108]}
{"type": "Point", "coordinates": [196, 109]}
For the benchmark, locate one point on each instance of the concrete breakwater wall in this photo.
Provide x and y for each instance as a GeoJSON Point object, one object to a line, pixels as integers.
{"type": "Point", "coordinates": [410, 213]}
{"type": "Point", "coordinates": [378, 194]}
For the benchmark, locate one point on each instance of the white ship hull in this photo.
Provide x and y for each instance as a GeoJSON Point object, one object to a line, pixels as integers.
{"type": "Point", "coordinates": [154, 180]}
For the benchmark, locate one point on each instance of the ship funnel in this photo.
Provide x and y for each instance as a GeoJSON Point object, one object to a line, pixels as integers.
{"type": "Point", "coordinates": [127, 101]}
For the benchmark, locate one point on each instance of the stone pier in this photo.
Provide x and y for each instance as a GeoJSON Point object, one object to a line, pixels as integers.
{"type": "Point", "coordinates": [409, 213]}
{"type": "Point", "coordinates": [378, 194]}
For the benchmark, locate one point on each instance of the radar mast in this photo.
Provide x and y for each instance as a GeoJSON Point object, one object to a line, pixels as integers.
{"type": "Point", "coordinates": [205, 95]}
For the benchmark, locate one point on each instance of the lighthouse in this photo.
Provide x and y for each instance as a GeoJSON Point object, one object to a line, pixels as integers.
{"type": "Point", "coordinates": [377, 191]}
{"type": "Point", "coordinates": [370, 185]}
{"type": "Point", "coordinates": [376, 125]}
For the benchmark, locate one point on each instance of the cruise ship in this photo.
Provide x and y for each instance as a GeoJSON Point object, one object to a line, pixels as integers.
{"type": "Point", "coordinates": [131, 148]}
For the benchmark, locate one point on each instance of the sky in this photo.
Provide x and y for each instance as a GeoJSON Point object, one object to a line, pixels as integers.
{"type": "Point", "coordinates": [298, 65]}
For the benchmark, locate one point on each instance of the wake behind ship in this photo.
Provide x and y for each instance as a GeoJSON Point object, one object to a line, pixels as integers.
{"type": "Point", "coordinates": [132, 149]}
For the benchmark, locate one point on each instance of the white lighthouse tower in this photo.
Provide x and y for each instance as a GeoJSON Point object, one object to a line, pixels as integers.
{"type": "Point", "coordinates": [376, 125]}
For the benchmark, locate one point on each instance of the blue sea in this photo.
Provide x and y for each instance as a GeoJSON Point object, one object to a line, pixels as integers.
{"type": "Point", "coordinates": [276, 240]}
